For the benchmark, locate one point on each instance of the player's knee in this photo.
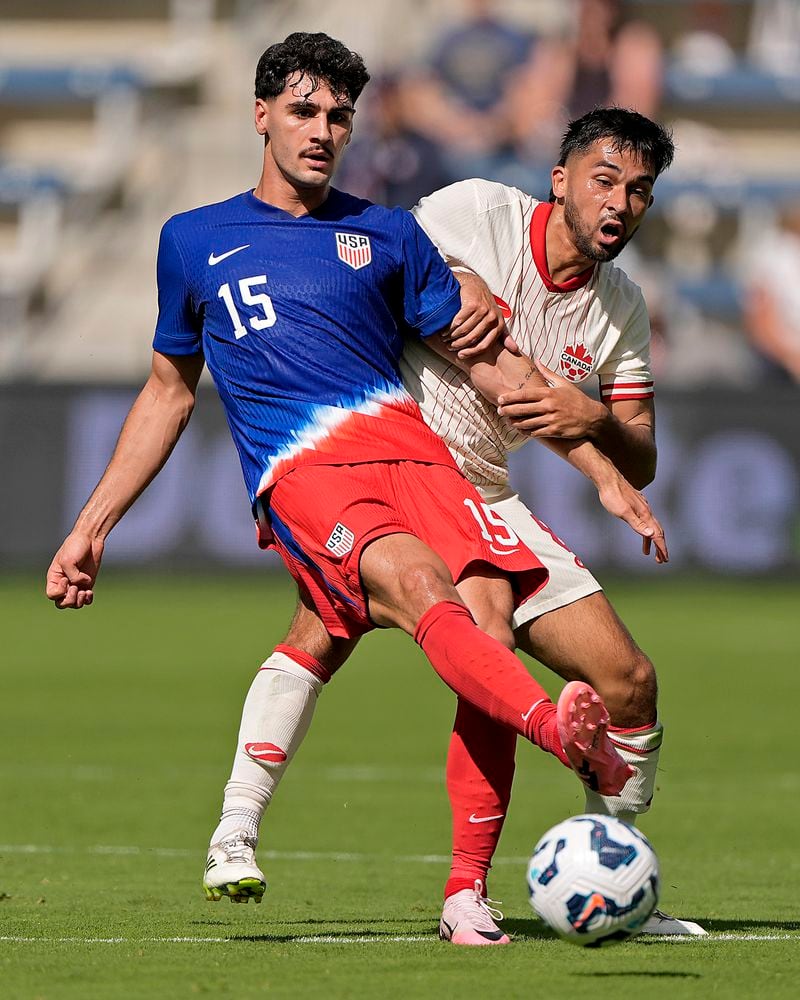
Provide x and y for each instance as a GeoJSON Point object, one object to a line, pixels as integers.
{"type": "Point", "coordinates": [632, 698]}
{"type": "Point", "coordinates": [497, 627]}
{"type": "Point", "coordinates": [420, 585]}
{"type": "Point", "coordinates": [645, 687]}
{"type": "Point", "coordinates": [308, 634]}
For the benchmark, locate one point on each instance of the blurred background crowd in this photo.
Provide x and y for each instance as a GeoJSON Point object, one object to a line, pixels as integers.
{"type": "Point", "coordinates": [115, 114]}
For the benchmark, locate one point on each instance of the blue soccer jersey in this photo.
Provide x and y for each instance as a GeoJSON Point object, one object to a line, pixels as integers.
{"type": "Point", "coordinates": [301, 322]}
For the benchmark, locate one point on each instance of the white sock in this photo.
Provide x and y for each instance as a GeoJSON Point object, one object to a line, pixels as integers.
{"type": "Point", "coordinates": [277, 713]}
{"type": "Point", "coordinates": [641, 750]}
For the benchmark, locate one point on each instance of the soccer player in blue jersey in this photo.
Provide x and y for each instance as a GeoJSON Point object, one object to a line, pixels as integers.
{"type": "Point", "coordinates": [297, 297]}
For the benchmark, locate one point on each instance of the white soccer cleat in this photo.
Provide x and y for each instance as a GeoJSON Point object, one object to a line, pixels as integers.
{"type": "Point", "coordinates": [231, 870]}
{"type": "Point", "coordinates": [469, 918]}
{"type": "Point", "coordinates": [663, 924]}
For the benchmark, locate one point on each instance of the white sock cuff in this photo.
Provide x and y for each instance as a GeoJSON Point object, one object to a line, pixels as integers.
{"type": "Point", "coordinates": [641, 750]}
{"type": "Point", "coordinates": [643, 741]}
{"type": "Point", "coordinates": [286, 665]}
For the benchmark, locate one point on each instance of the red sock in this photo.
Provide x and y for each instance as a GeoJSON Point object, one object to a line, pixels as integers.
{"type": "Point", "coordinates": [486, 674]}
{"type": "Point", "coordinates": [480, 770]}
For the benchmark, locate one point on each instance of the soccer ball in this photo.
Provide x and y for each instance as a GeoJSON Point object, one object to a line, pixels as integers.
{"type": "Point", "coordinates": [593, 880]}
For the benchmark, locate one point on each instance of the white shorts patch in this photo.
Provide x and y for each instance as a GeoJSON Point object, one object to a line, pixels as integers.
{"type": "Point", "coordinates": [569, 579]}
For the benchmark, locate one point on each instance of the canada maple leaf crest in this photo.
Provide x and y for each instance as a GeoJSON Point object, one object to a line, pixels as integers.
{"type": "Point", "coordinates": [576, 362]}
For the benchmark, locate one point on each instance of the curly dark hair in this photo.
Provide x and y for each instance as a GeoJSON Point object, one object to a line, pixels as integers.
{"type": "Point", "coordinates": [628, 130]}
{"type": "Point", "coordinates": [321, 58]}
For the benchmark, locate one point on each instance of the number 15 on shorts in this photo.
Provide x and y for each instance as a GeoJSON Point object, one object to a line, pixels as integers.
{"type": "Point", "coordinates": [493, 528]}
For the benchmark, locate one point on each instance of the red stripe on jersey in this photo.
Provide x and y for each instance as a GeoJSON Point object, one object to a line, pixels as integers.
{"type": "Point", "coordinates": [505, 308]}
{"type": "Point", "coordinates": [631, 390]}
{"type": "Point", "coordinates": [617, 399]}
{"type": "Point", "coordinates": [610, 386]}
{"type": "Point", "coordinates": [538, 231]}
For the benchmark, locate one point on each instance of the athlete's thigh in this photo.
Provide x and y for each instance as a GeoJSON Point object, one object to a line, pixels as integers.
{"type": "Point", "coordinates": [308, 634]}
{"type": "Point", "coordinates": [402, 578]}
{"type": "Point", "coordinates": [585, 640]}
{"type": "Point", "coordinates": [453, 536]}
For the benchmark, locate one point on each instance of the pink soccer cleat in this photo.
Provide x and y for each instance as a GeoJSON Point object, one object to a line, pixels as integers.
{"type": "Point", "coordinates": [469, 918]}
{"type": "Point", "coordinates": [583, 727]}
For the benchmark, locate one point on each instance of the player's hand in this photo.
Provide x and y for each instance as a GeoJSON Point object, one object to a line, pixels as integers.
{"type": "Point", "coordinates": [556, 409]}
{"type": "Point", "coordinates": [479, 322]}
{"type": "Point", "coordinates": [73, 571]}
{"type": "Point", "coordinates": [623, 501]}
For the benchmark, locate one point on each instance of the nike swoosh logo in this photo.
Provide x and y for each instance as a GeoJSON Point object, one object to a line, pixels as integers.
{"type": "Point", "coordinates": [216, 258]}
{"type": "Point", "coordinates": [265, 751]}
{"type": "Point", "coordinates": [503, 552]}
{"type": "Point", "coordinates": [484, 819]}
{"type": "Point", "coordinates": [527, 715]}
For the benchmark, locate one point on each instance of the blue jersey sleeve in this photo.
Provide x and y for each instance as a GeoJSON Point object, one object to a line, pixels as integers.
{"type": "Point", "coordinates": [178, 328]}
{"type": "Point", "coordinates": [431, 295]}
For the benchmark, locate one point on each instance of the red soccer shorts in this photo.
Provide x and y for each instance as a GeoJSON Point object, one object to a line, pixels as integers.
{"type": "Point", "coordinates": [319, 518]}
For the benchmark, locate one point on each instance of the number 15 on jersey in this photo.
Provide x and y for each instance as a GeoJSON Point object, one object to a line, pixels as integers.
{"type": "Point", "coordinates": [264, 318]}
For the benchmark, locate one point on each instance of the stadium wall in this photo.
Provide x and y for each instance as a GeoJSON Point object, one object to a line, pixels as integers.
{"type": "Point", "coordinates": [727, 489]}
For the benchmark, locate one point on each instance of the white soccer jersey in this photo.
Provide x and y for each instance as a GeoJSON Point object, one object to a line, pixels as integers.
{"type": "Point", "coordinates": [596, 323]}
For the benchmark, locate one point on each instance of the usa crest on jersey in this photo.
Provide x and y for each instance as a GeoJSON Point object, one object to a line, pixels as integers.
{"type": "Point", "coordinates": [341, 540]}
{"type": "Point", "coordinates": [354, 249]}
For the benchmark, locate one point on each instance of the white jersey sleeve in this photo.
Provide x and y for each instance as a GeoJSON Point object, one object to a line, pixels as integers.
{"type": "Point", "coordinates": [451, 212]}
{"type": "Point", "coordinates": [626, 372]}
{"type": "Point", "coordinates": [477, 223]}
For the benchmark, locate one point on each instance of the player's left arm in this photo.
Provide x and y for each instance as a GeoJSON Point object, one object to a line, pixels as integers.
{"type": "Point", "coordinates": [498, 371]}
{"type": "Point", "coordinates": [624, 430]}
{"type": "Point", "coordinates": [622, 424]}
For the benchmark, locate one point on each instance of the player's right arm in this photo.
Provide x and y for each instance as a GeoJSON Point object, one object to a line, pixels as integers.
{"type": "Point", "coordinates": [151, 429]}
{"type": "Point", "coordinates": [155, 422]}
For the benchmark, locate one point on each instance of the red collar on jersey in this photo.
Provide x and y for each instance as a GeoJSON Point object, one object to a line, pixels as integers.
{"type": "Point", "coordinates": [541, 214]}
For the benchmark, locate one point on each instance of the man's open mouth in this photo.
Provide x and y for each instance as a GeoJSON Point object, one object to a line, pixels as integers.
{"type": "Point", "coordinates": [611, 231]}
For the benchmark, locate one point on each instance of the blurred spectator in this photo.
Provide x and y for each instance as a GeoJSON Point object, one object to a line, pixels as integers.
{"type": "Point", "coordinates": [774, 42]}
{"type": "Point", "coordinates": [615, 60]}
{"type": "Point", "coordinates": [705, 49]}
{"type": "Point", "coordinates": [772, 308]}
{"type": "Point", "coordinates": [607, 58]}
{"type": "Point", "coordinates": [389, 162]}
{"type": "Point", "coordinates": [459, 98]}
{"type": "Point", "coordinates": [688, 347]}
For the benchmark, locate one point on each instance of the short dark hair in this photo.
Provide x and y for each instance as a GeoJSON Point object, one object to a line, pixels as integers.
{"type": "Point", "coordinates": [321, 58]}
{"type": "Point", "coordinates": [628, 130]}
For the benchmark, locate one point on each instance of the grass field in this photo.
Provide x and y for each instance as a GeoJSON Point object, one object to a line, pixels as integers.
{"type": "Point", "coordinates": [118, 727]}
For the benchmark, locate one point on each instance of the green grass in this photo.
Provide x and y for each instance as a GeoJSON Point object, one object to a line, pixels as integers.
{"type": "Point", "coordinates": [118, 727]}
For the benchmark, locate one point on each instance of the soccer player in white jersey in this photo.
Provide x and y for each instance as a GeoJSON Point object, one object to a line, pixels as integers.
{"type": "Point", "coordinates": [566, 305]}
